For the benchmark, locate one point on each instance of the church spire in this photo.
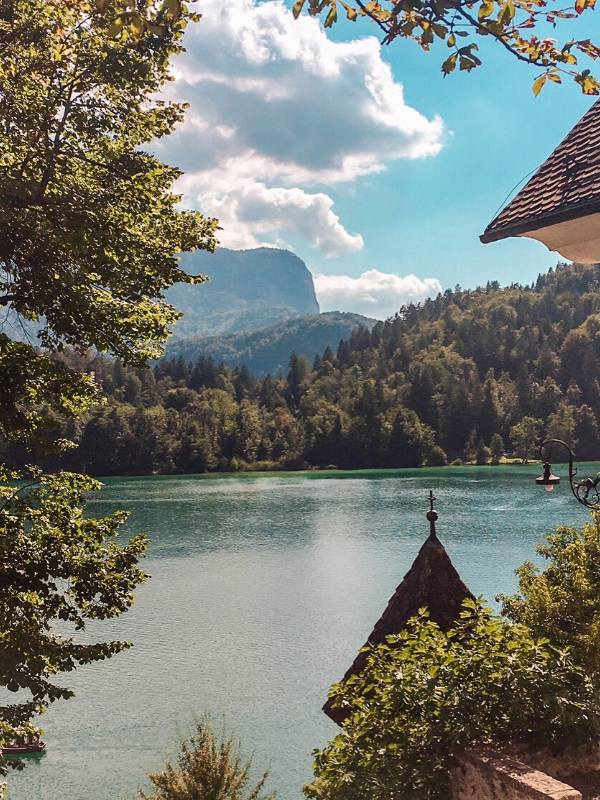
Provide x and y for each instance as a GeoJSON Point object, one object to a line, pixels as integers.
{"type": "Point", "coordinates": [433, 583]}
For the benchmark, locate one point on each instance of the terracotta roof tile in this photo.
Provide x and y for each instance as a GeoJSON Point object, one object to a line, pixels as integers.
{"type": "Point", "coordinates": [566, 185]}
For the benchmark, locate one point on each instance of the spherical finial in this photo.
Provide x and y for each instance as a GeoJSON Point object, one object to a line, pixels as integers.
{"type": "Point", "coordinates": [432, 516]}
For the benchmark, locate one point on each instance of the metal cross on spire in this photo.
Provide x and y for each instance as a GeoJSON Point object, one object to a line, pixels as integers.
{"type": "Point", "coordinates": [432, 516]}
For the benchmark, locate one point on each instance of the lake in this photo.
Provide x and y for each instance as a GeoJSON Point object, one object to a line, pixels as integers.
{"type": "Point", "coordinates": [263, 589]}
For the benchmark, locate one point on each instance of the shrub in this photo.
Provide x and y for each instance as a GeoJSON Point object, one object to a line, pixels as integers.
{"type": "Point", "coordinates": [562, 602]}
{"type": "Point", "coordinates": [415, 706]}
{"type": "Point", "coordinates": [207, 769]}
{"type": "Point", "coordinates": [437, 457]}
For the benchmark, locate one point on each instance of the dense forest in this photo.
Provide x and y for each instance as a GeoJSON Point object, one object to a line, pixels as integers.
{"type": "Point", "coordinates": [470, 375]}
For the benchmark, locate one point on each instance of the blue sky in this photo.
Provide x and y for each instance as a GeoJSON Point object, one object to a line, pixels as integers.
{"type": "Point", "coordinates": [380, 180]}
{"type": "Point", "coordinates": [426, 216]}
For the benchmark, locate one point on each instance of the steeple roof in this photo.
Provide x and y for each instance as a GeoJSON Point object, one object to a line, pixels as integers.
{"type": "Point", "coordinates": [565, 187]}
{"type": "Point", "coordinates": [431, 582]}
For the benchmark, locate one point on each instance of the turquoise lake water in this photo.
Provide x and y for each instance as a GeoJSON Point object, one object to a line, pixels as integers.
{"type": "Point", "coordinates": [263, 589]}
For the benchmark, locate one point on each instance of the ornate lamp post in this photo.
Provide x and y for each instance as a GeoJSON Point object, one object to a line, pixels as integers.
{"type": "Point", "coordinates": [586, 491]}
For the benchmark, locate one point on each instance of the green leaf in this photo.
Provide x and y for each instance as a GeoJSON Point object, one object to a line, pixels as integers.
{"type": "Point", "coordinates": [331, 16]}
{"type": "Point", "coordinates": [538, 84]}
{"type": "Point", "coordinates": [297, 8]}
{"type": "Point", "coordinates": [115, 28]}
{"type": "Point", "coordinates": [449, 64]}
{"type": "Point", "coordinates": [137, 25]}
{"type": "Point", "coordinates": [172, 6]}
{"type": "Point", "coordinates": [486, 9]}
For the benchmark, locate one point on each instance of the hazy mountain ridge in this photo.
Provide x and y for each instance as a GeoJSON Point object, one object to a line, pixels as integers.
{"type": "Point", "coordinates": [257, 308]}
{"type": "Point", "coordinates": [247, 290]}
{"type": "Point", "coordinates": [269, 349]}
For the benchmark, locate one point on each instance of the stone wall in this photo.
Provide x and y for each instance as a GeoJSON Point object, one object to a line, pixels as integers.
{"type": "Point", "coordinates": [487, 774]}
{"type": "Point", "coordinates": [579, 761]}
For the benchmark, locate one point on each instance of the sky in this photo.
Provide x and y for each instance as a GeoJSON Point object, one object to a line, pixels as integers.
{"type": "Point", "coordinates": [362, 159]}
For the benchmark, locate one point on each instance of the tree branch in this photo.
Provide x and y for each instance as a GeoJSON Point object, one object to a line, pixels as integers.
{"type": "Point", "coordinates": [482, 30]}
{"type": "Point", "coordinates": [369, 14]}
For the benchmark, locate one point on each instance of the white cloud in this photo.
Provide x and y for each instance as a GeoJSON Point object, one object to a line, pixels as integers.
{"type": "Point", "coordinates": [374, 293]}
{"type": "Point", "coordinates": [251, 212]}
{"type": "Point", "coordinates": [277, 107]}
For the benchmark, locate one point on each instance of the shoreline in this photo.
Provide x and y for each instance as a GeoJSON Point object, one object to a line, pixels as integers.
{"type": "Point", "coordinates": [322, 472]}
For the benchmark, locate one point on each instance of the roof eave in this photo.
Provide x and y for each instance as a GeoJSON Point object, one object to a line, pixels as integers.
{"type": "Point", "coordinates": [542, 221]}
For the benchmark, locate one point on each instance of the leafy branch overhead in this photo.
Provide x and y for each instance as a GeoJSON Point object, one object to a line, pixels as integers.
{"type": "Point", "coordinates": [130, 20]}
{"type": "Point", "coordinates": [90, 236]}
{"type": "Point", "coordinates": [90, 227]}
{"type": "Point", "coordinates": [524, 28]}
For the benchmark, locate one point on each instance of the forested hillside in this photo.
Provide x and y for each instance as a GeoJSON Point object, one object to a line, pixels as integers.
{"type": "Point", "coordinates": [268, 349]}
{"type": "Point", "coordinates": [477, 372]}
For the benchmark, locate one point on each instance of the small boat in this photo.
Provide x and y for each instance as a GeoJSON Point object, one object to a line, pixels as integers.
{"type": "Point", "coordinates": [28, 748]}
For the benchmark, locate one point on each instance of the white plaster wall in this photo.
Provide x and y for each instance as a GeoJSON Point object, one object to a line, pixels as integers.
{"type": "Point", "coordinates": [576, 239]}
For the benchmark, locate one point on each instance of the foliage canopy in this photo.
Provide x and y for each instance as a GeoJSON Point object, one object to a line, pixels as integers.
{"type": "Point", "coordinates": [522, 27]}
{"type": "Point", "coordinates": [562, 601]}
{"type": "Point", "coordinates": [89, 223]}
{"type": "Point", "coordinates": [414, 707]}
{"type": "Point", "coordinates": [90, 233]}
{"type": "Point", "coordinates": [57, 568]}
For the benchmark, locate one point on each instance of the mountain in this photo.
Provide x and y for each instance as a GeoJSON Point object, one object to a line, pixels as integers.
{"type": "Point", "coordinates": [269, 349]}
{"type": "Point", "coordinates": [248, 289]}
{"type": "Point", "coordinates": [258, 307]}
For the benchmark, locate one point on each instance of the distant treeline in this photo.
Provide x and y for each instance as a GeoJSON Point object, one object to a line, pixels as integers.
{"type": "Point", "coordinates": [469, 375]}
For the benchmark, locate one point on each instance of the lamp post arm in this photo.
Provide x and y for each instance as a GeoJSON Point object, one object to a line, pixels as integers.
{"type": "Point", "coordinates": [581, 490]}
{"type": "Point", "coordinates": [572, 468]}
